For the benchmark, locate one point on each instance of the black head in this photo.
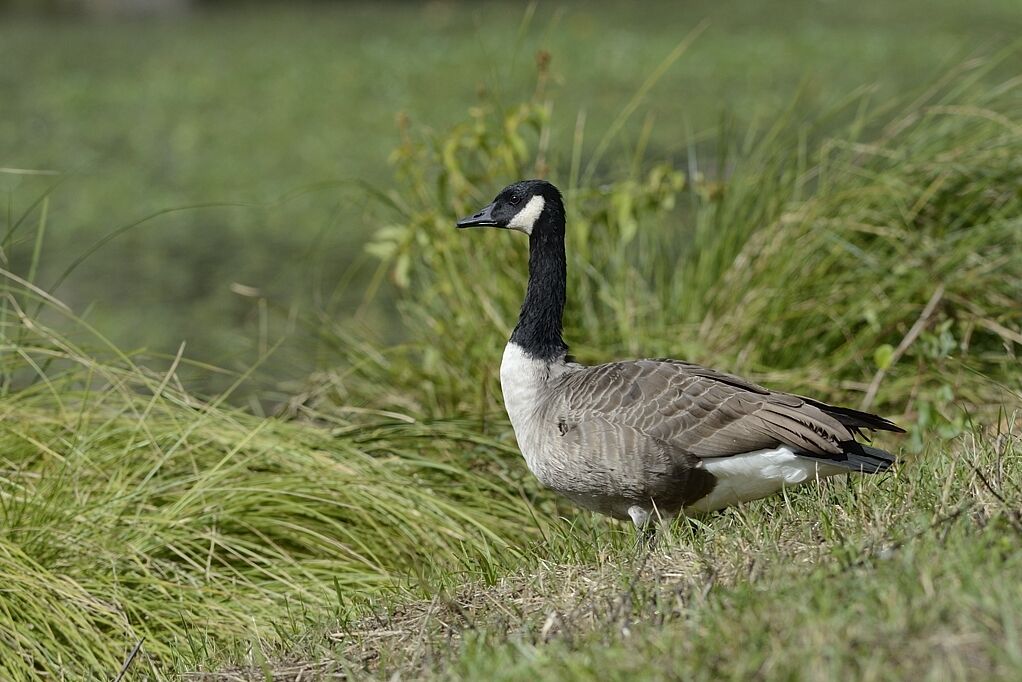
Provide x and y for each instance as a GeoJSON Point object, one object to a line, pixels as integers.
{"type": "Point", "coordinates": [519, 206]}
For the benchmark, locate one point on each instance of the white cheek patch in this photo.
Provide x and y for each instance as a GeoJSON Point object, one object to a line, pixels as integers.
{"type": "Point", "coordinates": [526, 218]}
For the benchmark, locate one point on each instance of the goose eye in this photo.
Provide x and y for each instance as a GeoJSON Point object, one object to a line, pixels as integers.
{"type": "Point", "coordinates": [514, 199]}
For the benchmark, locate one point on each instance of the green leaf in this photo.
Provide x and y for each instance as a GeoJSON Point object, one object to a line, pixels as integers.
{"type": "Point", "coordinates": [401, 270]}
{"type": "Point", "coordinates": [883, 355]}
{"type": "Point", "coordinates": [382, 250]}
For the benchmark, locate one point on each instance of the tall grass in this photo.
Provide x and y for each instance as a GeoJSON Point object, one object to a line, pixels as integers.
{"type": "Point", "coordinates": [876, 264]}
{"type": "Point", "coordinates": [132, 511]}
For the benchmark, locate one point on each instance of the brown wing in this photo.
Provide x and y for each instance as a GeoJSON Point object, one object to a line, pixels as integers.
{"type": "Point", "coordinates": [708, 413]}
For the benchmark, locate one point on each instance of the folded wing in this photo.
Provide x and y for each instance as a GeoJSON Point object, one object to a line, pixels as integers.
{"type": "Point", "coordinates": [712, 414]}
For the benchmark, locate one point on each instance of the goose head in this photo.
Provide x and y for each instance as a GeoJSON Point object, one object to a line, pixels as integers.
{"type": "Point", "coordinates": [526, 206]}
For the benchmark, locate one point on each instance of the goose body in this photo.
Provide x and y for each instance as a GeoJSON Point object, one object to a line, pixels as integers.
{"type": "Point", "coordinates": [650, 438]}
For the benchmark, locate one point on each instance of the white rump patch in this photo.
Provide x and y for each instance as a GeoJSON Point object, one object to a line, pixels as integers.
{"type": "Point", "coordinates": [752, 475]}
{"type": "Point", "coordinates": [527, 217]}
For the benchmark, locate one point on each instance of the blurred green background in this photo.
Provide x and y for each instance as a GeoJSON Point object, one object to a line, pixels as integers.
{"type": "Point", "coordinates": [265, 123]}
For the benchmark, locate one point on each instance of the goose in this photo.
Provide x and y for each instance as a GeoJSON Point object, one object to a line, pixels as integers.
{"type": "Point", "coordinates": [647, 440]}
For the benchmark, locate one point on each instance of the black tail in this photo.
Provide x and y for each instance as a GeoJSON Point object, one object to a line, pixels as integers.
{"type": "Point", "coordinates": [854, 455]}
{"type": "Point", "coordinates": [863, 458]}
{"type": "Point", "coordinates": [854, 419]}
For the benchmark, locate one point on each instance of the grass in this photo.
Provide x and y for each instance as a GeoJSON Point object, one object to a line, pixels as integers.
{"type": "Point", "coordinates": [869, 248]}
{"type": "Point", "coordinates": [913, 575]}
{"type": "Point", "coordinates": [133, 511]}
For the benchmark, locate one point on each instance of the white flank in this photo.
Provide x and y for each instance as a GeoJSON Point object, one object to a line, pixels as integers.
{"type": "Point", "coordinates": [526, 218]}
{"type": "Point", "coordinates": [752, 475]}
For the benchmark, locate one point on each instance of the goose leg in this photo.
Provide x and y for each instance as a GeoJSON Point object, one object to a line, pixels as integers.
{"type": "Point", "coordinates": [645, 527]}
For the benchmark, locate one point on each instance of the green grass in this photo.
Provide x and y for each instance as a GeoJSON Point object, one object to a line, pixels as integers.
{"type": "Point", "coordinates": [133, 511]}
{"type": "Point", "coordinates": [884, 252]}
{"type": "Point", "coordinates": [914, 575]}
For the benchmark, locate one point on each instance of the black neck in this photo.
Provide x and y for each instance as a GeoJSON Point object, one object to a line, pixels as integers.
{"type": "Point", "coordinates": [538, 331]}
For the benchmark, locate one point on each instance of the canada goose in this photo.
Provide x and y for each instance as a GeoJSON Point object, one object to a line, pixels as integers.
{"type": "Point", "coordinates": [648, 439]}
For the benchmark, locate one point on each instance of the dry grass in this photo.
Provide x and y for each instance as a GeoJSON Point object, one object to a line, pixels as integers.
{"type": "Point", "coordinates": [921, 569]}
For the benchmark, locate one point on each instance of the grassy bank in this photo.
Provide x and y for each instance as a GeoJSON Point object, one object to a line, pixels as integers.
{"type": "Point", "coordinates": [852, 264]}
{"type": "Point", "coordinates": [385, 523]}
{"type": "Point", "coordinates": [916, 575]}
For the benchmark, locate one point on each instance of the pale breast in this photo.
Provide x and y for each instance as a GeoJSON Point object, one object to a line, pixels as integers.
{"type": "Point", "coordinates": [524, 382]}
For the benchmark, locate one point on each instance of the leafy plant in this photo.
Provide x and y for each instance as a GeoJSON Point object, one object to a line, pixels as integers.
{"type": "Point", "coordinates": [877, 264]}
